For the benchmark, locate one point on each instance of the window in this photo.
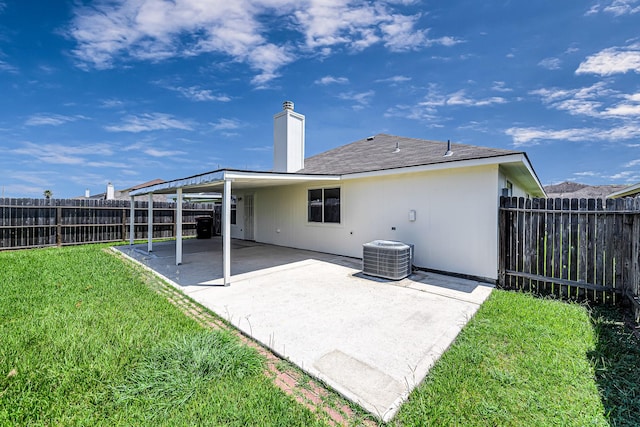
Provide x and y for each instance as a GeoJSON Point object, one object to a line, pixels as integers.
{"type": "Point", "coordinates": [509, 188]}
{"type": "Point", "coordinates": [324, 205]}
{"type": "Point", "coordinates": [234, 202]}
{"type": "Point", "coordinates": [507, 191]}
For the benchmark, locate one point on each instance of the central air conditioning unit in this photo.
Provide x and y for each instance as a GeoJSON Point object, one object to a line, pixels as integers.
{"type": "Point", "coordinates": [387, 259]}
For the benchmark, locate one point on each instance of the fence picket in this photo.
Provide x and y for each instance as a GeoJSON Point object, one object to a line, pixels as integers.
{"type": "Point", "coordinates": [579, 249]}
{"type": "Point", "coordinates": [27, 223]}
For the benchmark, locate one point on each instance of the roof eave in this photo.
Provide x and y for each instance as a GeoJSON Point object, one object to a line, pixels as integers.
{"type": "Point", "coordinates": [628, 191]}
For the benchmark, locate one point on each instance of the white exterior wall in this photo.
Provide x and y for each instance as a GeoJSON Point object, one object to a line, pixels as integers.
{"type": "Point", "coordinates": [456, 226]}
{"type": "Point", "coordinates": [517, 191]}
{"type": "Point", "coordinates": [237, 229]}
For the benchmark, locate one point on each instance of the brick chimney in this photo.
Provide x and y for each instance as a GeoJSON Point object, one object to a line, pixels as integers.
{"type": "Point", "coordinates": [288, 140]}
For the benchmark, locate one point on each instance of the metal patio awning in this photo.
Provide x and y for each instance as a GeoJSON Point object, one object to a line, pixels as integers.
{"type": "Point", "coordinates": [219, 181]}
{"type": "Point", "coordinates": [214, 181]}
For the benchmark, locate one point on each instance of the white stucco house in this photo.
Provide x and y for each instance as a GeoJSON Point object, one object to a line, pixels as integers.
{"type": "Point", "coordinates": [442, 198]}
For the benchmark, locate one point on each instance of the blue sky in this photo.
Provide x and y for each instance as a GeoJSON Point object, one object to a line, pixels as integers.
{"type": "Point", "coordinates": [126, 91]}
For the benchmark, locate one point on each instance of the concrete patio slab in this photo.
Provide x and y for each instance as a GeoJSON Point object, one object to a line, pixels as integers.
{"type": "Point", "coordinates": [372, 340]}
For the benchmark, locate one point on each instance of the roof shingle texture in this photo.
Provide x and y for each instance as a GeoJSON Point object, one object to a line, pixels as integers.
{"type": "Point", "coordinates": [379, 153]}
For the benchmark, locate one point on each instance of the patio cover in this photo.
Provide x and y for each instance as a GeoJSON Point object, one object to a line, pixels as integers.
{"type": "Point", "coordinates": [220, 181]}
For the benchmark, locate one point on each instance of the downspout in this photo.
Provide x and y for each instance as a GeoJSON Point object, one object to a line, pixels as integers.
{"type": "Point", "coordinates": [150, 224]}
{"type": "Point", "coordinates": [226, 232]}
{"type": "Point", "coordinates": [179, 226]}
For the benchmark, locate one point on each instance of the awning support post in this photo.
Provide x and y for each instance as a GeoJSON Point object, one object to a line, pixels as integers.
{"type": "Point", "coordinates": [150, 224]}
{"type": "Point", "coordinates": [226, 232]}
{"type": "Point", "coordinates": [178, 220]}
{"type": "Point", "coordinates": [132, 221]}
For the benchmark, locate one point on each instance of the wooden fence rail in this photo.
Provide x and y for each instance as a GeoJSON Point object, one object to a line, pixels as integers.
{"type": "Point", "coordinates": [28, 223]}
{"type": "Point", "coordinates": [572, 248]}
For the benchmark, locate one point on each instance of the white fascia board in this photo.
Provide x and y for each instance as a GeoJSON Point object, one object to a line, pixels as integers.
{"type": "Point", "coordinates": [172, 186]}
{"type": "Point", "coordinates": [631, 190]}
{"type": "Point", "coordinates": [510, 158]}
{"type": "Point", "coordinates": [533, 173]}
{"type": "Point", "coordinates": [279, 176]}
{"type": "Point", "coordinates": [524, 164]}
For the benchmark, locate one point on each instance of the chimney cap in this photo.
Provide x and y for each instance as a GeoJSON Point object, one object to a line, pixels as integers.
{"type": "Point", "coordinates": [287, 105]}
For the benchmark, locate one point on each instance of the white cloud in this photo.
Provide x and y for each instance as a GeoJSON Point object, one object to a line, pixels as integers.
{"type": "Point", "coordinates": [63, 154]}
{"type": "Point", "coordinates": [499, 86]}
{"type": "Point", "coordinates": [616, 7]}
{"type": "Point", "coordinates": [361, 99]}
{"type": "Point", "coordinates": [584, 101]}
{"type": "Point", "coordinates": [394, 79]}
{"type": "Point", "coordinates": [435, 101]}
{"type": "Point", "coordinates": [112, 103]}
{"type": "Point", "coordinates": [534, 135]}
{"type": "Point", "coordinates": [154, 152]}
{"type": "Point", "coordinates": [623, 110]}
{"type": "Point", "coordinates": [531, 136]}
{"type": "Point", "coordinates": [630, 108]}
{"type": "Point", "coordinates": [400, 34]}
{"type": "Point", "coordinates": [109, 32]}
{"type": "Point", "coordinates": [460, 98]}
{"type": "Point", "coordinates": [632, 163]}
{"type": "Point", "coordinates": [106, 164]}
{"type": "Point", "coordinates": [195, 93]}
{"type": "Point", "coordinates": [327, 80]}
{"type": "Point", "coordinates": [149, 122]}
{"type": "Point", "coordinates": [628, 176]}
{"type": "Point", "coordinates": [550, 63]}
{"type": "Point", "coordinates": [50, 119]}
{"type": "Point", "coordinates": [613, 60]}
{"type": "Point", "coordinates": [5, 66]}
{"type": "Point", "coordinates": [226, 124]}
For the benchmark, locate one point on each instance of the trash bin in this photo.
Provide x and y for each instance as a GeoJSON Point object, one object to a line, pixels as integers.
{"type": "Point", "coordinates": [204, 227]}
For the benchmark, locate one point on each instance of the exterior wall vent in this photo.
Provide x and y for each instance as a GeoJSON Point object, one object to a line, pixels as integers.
{"type": "Point", "coordinates": [387, 259]}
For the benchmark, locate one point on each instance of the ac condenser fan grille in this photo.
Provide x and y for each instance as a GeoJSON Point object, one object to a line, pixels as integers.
{"type": "Point", "coordinates": [387, 259]}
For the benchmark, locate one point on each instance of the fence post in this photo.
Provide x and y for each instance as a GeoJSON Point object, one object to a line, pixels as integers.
{"type": "Point", "coordinates": [59, 226]}
{"type": "Point", "coordinates": [123, 223]}
{"type": "Point", "coordinates": [502, 244]}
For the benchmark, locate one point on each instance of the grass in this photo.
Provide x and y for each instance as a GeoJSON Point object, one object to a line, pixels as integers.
{"type": "Point", "coordinates": [524, 361]}
{"type": "Point", "coordinates": [85, 342]}
{"type": "Point", "coordinates": [616, 358]}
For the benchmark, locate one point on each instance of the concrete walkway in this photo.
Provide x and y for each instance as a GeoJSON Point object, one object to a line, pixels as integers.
{"type": "Point", "coordinates": [372, 340]}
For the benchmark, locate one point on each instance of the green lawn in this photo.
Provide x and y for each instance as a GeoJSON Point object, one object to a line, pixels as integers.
{"type": "Point", "coordinates": [85, 341]}
{"type": "Point", "coordinates": [525, 361]}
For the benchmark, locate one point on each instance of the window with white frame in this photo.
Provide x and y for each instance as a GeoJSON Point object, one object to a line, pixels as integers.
{"type": "Point", "coordinates": [234, 202]}
{"type": "Point", "coordinates": [323, 205]}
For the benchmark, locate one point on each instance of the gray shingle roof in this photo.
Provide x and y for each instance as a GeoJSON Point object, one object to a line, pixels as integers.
{"type": "Point", "coordinates": [367, 155]}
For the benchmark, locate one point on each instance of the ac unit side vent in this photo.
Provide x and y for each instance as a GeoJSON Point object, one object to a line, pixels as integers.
{"type": "Point", "coordinates": [387, 259]}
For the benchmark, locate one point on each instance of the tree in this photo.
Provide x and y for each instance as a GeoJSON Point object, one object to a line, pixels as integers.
{"type": "Point", "coordinates": [48, 194]}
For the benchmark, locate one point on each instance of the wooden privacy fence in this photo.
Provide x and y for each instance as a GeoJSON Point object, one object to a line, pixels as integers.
{"type": "Point", "coordinates": [28, 223]}
{"type": "Point", "coordinates": [578, 249]}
